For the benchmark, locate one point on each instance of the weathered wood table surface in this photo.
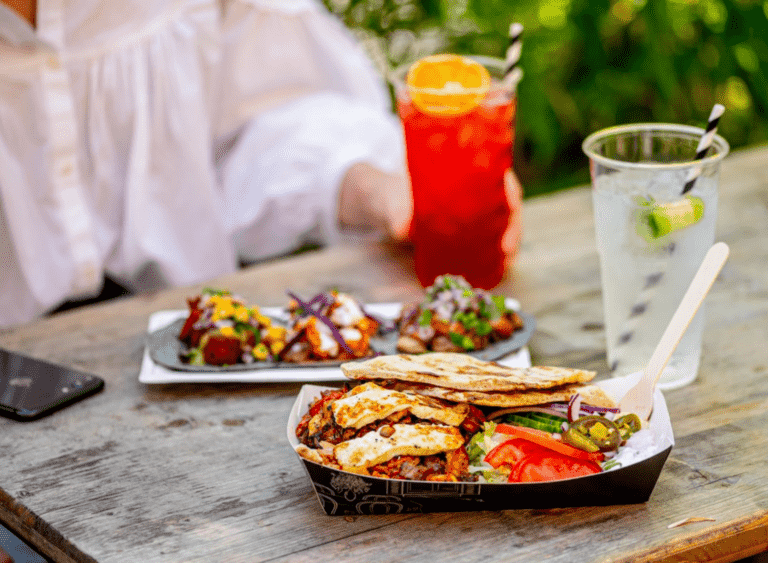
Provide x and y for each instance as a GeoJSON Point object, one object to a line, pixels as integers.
{"type": "Point", "coordinates": [204, 472]}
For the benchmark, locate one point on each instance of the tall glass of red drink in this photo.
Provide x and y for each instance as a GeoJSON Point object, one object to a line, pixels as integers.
{"type": "Point", "coordinates": [457, 164]}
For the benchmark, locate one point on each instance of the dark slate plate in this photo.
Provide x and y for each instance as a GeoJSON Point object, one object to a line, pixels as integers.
{"type": "Point", "coordinates": [166, 350]}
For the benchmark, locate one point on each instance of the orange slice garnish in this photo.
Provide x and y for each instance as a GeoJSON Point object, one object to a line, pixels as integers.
{"type": "Point", "coordinates": [447, 84]}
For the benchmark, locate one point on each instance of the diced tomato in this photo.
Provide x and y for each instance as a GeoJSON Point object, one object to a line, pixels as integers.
{"type": "Point", "coordinates": [221, 350]}
{"type": "Point", "coordinates": [324, 399]}
{"type": "Point", "coordinates": [547, 465]}
{"type": "Point", "coordinates": [546, 440]}
{"type": "Point", "coordinates": [474, 420]}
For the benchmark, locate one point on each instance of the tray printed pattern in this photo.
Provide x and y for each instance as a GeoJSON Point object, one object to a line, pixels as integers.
{"type": "Point", "coordinates": [341, 493]}
{"type": "Point", "coordinates": [166, 349]}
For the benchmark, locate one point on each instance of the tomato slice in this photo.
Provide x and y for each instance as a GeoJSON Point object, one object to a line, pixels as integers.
{"type": "Point", "coordinates": [546, 440]}
{"type": "Point", "coordinates": [551, 466]}
{"type": "Point", "coordinates": [511, 452]}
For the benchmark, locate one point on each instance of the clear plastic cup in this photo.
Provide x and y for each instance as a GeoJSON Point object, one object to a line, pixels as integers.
{"type": "Point", "coordinates": [651, 238]}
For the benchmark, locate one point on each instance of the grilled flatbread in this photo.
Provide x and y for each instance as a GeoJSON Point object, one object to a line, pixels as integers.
{"type": "Point", "coordinates": [590, 395]}
{"type": "Point", "coordinates": [463, 372]}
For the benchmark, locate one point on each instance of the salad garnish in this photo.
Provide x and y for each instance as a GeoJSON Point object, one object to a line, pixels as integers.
{"type": "Point", "coordinates": [221, 329]}
{"type": "Point", "coordinates": [455, 317]}
{"type": "Point", "coordinates": [331, 325]}
{"type": "Point", "coordinates": [546, 443]}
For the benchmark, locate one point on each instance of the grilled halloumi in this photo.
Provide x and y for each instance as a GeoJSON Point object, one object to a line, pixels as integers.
{"type": "Point", "coordinates": [370, 402]}
{"type": "Point", "coordinates": [399, 439]}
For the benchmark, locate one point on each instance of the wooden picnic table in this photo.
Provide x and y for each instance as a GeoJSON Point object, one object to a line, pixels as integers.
{"type": "Point", "coordinates": [204, 472]}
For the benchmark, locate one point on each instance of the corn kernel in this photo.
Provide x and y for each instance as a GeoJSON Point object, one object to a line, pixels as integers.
{"type": "Point", "coordinates": [276, 333]}
{"type": "Point", "coordinates": [599, 431]}
{"type": "Point", "coordinates": [260, 351]}
{"type": "Point", "coordinates": [241, 314]}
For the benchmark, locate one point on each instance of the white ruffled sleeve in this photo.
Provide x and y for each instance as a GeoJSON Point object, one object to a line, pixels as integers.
{"type": "Point", "coordinates": [304, 103]}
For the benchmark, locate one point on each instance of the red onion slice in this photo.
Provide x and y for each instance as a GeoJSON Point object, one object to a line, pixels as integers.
{"type": "Point", "coordinates": [317, 314]}
{"type": "Point", "coordinates": [600, 410]}
{"type": "Point", "coordinates": [574, 407]}
{"type": "Point", "coordinates": [307, 306]}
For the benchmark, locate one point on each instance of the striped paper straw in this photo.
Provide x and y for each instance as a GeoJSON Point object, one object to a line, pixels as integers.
{"type": "Point", "coordinates": [642, 303]}
{"type": "Point", "coordinates": [513, 73]}
{"type": "Point", "coordinates": [653, 281]}
{"type": "Point", "coordinates": [704, 144]}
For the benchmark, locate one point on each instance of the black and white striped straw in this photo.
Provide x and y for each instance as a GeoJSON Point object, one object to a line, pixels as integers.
{"type": "Point", "coordinates": [513, 73]}
{"type": "Point", "coordinates": [642, 303]}
{"type": "Point", "coordinates": [704, 143]}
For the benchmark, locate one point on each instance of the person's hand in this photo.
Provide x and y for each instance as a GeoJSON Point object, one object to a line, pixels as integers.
{"type": "Point", "coordinates": [510, 242]}
{"type": "Point", "coordinates": [372, 199]}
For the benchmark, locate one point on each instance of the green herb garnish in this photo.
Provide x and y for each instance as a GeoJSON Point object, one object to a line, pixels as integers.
{"type": "Point", "coordinates": [214, 291]}
{"type": "Point", "coordinates": [462, 340]}
{"type": "Point", "coordinates": [456, 338]}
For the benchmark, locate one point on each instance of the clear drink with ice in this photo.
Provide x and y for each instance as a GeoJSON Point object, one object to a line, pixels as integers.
{"type": "Point", "coordinates": [644, 273]}
{"type": "Point", "coordinates": [644, 280]}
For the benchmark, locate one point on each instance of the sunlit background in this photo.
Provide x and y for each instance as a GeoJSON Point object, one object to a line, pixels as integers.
{"type": "Point", "coordinates": [590, 64]}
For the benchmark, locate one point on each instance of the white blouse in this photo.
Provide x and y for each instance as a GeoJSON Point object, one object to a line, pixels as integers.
{"type": "Point", "coordinates": [161, 141]}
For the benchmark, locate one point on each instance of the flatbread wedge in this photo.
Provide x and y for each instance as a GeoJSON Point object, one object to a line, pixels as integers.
{"type": "Point", "coordinates": [589, 394]}
{"type": "Point", "coordinates": [462, 372]}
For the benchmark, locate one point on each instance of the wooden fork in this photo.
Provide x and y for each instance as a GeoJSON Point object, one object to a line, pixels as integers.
{"type": "Point", "coordinates": [639, 399]}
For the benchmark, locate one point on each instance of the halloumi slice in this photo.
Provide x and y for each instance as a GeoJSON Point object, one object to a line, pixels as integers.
{"type": "Point", "coordinates": [407, 439]}
{"type": "Point", "coordinates": [370, 402]}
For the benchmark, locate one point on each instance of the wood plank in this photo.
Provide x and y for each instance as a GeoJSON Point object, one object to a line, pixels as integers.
{"type": "Point", "coordinates": [203, 472]}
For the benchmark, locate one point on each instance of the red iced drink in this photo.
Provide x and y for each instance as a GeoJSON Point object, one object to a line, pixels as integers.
{"type": "Point", "coordinates": [457, 165]}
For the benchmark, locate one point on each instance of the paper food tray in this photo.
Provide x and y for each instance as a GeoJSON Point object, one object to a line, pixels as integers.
{"type": "Point", "coordinates": [344, 493]}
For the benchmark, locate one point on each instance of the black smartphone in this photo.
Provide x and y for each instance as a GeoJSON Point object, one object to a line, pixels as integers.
{"type": "Point", "coordinates": [32, 388]}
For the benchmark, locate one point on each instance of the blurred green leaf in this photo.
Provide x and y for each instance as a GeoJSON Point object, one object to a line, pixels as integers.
{"type": "Point", "coordinates": [591, 64]}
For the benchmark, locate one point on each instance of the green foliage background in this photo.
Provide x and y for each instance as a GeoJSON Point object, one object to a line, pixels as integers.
{"type": "Point", "coordinates": [590, 64]}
